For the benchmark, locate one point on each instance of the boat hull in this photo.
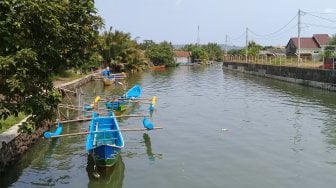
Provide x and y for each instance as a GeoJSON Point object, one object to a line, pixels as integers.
{"type": "Point", "coordinates": [104, 140]}
{"type": "Point", "coordinates": [105, 156]}
{"type": "Point", "coordinates": [108, 81]}
{"type": "Point", "coordinates": [158, 67]}
{"type": "Point", "coordinates": [133, 93]}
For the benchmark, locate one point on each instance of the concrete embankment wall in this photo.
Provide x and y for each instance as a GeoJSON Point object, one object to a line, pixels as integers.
{"type": "Point", "coordinates": [13, 143]}
{"type": "Point", "coordinates": [319, 78]}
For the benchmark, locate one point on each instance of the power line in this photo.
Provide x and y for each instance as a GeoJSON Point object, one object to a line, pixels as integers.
{"type": "Point", "coordinates": [237, 38]}
{"type": "Point", "coordinates": [273, 33]}
{"type": "Point", "coordinates": [321, 26]}
{"type": "Point", "coordinates": [322, 13]}
{"type": "Point", "coordinates": [279, 35]}
{"type": "Point", "coordinates": [282, 30]}
{"type": "Point", "coordinates": [320, 17]}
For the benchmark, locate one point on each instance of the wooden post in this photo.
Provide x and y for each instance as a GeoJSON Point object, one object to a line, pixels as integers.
{"type": "Point", "coordinates": [79, 102]}
{"type": "Point", "coordinates": [69, 100]}
{"type": "Point", "coordinates": [67, 111]}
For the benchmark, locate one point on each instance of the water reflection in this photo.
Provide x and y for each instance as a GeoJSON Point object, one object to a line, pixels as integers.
{"type": "Point", "coordinates": [150, 154]}
{"type": "Point", "coordinates": [51, 147]}
{"type": "Point", "coordinates": [302, 97]}
{"type": "Point", "coordinates": [297, 138]}
{"type": "Point", "coordinates": [148, 147]}
{"type": "Point", "coordinates": [111, 177]}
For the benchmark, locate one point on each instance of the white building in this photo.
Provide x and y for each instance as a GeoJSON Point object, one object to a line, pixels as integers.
{"type": "Point", "coordinates": [182, 57]}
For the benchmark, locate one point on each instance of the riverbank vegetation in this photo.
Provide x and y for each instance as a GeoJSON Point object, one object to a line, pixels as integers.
{"type": "Point", "coordinates": [204, 53]}
{"type": "Point", "coordinates": [41, 41]}
{"type": "Point", "coordinates": [159, 54]}
{"type": "Point", "coordinates": [10, 121]}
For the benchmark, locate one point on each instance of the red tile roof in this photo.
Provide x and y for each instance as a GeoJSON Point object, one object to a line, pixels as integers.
{"type": "Point", "coordinates": [311, 42]}
{"type": "Point", "coordinates": [305, 42]}
{"type": "Point", "coordinates": [321, 39]}
{"type": "Point", "coordinates": [182, 54]}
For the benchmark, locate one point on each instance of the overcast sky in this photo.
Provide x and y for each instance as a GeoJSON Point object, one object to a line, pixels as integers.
{"type": "Point", "coordinates": [268, 21]}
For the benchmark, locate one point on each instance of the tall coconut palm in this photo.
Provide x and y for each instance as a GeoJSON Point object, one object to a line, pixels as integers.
{"type": "Point", "coordinates": [121, 52]}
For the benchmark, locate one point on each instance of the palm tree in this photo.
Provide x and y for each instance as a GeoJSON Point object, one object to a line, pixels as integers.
{"type": "Point", "coordinates": [121, 52]}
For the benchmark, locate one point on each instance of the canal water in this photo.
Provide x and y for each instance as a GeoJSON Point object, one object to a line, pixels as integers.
{"type": "Point", "coordinates": [221, 129]}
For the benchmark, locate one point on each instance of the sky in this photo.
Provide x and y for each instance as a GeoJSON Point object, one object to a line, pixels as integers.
{"type": "Point", "coordinates": [269, 22]}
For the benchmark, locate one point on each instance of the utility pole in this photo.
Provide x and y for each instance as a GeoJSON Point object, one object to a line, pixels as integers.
{"type": "Point", "coordinates": [299, 35]}
{"type": "Point", "coordinates": [226, 44]}
{"type": "Point", "coordinates": [198, 36]}
{"type": "Point", "coordinates": [246, 46]}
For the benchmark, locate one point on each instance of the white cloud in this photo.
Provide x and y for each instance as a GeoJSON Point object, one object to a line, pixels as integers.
{"type": "Point", "coordinates": [329, 10]}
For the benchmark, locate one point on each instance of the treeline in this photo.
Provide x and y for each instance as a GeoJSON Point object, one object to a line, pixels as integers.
{"type": "Point", "coordinates": [204, 53]}
{"type": "Point", "coordinates": [253, 49]}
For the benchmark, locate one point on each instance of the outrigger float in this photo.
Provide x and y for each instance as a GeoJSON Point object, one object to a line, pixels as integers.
{"type": "Point", "coordinates": [104, 139]}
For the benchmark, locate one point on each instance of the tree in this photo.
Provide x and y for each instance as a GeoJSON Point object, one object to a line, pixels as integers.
{"type": "Point", "coordinates": [214, 51]}
{"type": "Point", "coordinates": [253, 48]}
{"type": "Point", "coordinates": [160, 54]}
{"type": "Point", "coordinates": [329, 51]}
{"type": "Point", "coordinates": [121, 52]}
{"type": "Point", "coordinates": [37, 39]}
{"type": "Point", "coordinates": [198, 53]}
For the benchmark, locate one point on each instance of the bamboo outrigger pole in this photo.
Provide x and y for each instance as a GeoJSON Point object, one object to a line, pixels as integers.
{"type": "Point", "coordinates": [86, 132]}
{"type": "Point", "coordinates": [88, 119]}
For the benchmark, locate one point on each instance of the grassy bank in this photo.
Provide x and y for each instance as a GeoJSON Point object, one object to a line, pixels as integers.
{"type": "Point", "coordinates": [10, 121]}
{"type": "Point", "coordinates": [67, 76]}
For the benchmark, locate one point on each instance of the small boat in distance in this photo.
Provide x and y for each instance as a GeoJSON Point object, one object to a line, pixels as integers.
{"type": "Point", "coordinates": [158, 67]}
{"type": "Point", "coordinates": [104, 140]}
{"type": "Point", "coordinates": [108, 81]}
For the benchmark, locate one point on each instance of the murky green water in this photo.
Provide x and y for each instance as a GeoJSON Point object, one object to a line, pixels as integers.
{"type": "Point", "coordinates": [221, 129]}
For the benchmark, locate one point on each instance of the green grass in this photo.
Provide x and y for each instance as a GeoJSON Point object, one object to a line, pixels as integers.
{"type": "Point", "coordinates": [67, 76]}
{"type": "Point", "coordinates": [10, 121]}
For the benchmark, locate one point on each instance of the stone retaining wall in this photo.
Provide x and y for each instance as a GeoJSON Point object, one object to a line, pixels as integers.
{"type": "Point", "coordinates": [319, 78]}
{"type": "Point", "coordinates": [13, 144]}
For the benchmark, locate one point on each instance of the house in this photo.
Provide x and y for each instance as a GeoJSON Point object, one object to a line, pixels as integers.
{"type": "Point", "coordinates": [274, 52]}
{"type": "Point", "coordinates": [310, 47]}
{"type": "Point", "coordinates": [182, 57]}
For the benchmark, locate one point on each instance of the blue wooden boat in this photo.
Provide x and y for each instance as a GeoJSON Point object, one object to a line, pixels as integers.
{"type": "Point", "coordinates": [118, 105]}
{"type": "Point", "coordinates": [122, 103]}
{"type": "Point", "coordinates": [104, 140]}
{"type": "Point", "coordinates": [133, 93]}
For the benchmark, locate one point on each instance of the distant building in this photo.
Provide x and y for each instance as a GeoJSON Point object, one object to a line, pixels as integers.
{"type": "Point", "coordinates": [182, 57]}
{"type": "Point", "coordinates": [274, 52]}
{"type": "Point", "coordinates": [310, 47]}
